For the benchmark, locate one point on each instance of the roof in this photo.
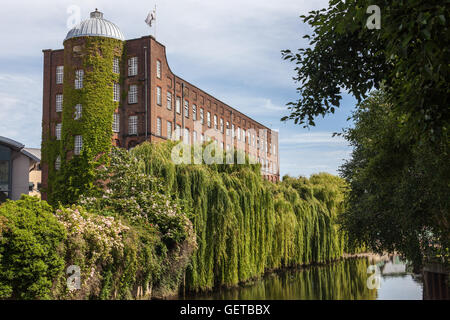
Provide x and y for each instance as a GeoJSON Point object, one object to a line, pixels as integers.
{"type": "Point", "coordinates": [32, 153]}
{"type": "Point", "coordinates": [17, 146]}
{"type": "Point", "coordinates": [96, 26]}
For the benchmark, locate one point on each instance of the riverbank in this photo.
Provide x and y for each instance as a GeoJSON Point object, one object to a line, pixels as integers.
{"type": "Point", "coordinates": [369, 256]}
{"type": "Point", "coordinates": [195, 226]}
{"type": "Point", "coordinates": [345, 279]}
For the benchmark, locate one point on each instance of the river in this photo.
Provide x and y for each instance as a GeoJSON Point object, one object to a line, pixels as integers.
{"type": "Point", "coordinates": [347, 279]}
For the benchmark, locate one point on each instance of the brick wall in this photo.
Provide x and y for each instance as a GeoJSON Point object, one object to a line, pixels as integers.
{"type": "Point", "coordinates": [168, 82]}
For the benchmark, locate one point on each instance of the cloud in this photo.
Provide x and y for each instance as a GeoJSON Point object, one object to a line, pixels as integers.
{"type": "Point", "coordinates": [229, 48]}
{"type": "Point", "coordinates": [312, 138]}
{"type": "Point", "coordinates": [305, 162]}
{"type": "Point", "coordinates": [21, 108]}
{"type": "Point", "coordinates": [311, 152]}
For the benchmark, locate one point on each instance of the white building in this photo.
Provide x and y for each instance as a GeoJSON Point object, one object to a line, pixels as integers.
{"type": "Point", "coordinates": [16, 162]}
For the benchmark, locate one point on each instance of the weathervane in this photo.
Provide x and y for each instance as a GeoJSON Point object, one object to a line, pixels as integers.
{"type": "Point", "coordinates": [150, 18]}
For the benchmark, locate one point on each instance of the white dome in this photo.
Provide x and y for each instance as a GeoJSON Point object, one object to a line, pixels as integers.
{"type": "Point", "coordinates": [96, 26]}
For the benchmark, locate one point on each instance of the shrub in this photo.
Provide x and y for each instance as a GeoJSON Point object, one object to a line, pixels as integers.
{"type": "Point", "coordinates": [30, 249]}
{"type": "Point", "coordinates": [94, 242]}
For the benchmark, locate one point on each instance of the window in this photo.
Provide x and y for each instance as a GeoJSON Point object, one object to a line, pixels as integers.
{"type": "Point", "coordinates": [158, 126]}
{"type": "Point", "coordinates": [186, 108]}
{"type": "Point", "coordinates": [169, 100]}
{"type": "Point", "coordinates": [79, 74]}
{"type": "Point", "coordinates": [132, 125]}
{"type": "Point", "coordinates": [59, 102]}
{"type": "Point", "coordinates": [116, 123]}
{"type": "Point", "coordinates": [194, 112]}
{"type": "Point", "coordinates": [195, 136]}
{"type": "Point", "coordinates": [244, 135]}
{"type": "Point", "coordinates": [239, 133]}
{"type": "Point", "coordinates": [78, 145]}
{"type": "Point", "coordinates": [58, 131]}
{"type": "Point", "coordinates": [202, 138]}
{"type": "Point", "coordinates": [158, 96]}
{"type": "Point", "coordinates": [116, 68]}
{"type": "Point", "coordinates": [202, 116]}
{"type": "Point", "coordinates": [208, 119]}
{"type": "Point", "coordinates": [215, 122]}
{"type": "Point", "coordinates": [232, 131]}
{"type": "Point", "coordinates": [59, 74]}
{"type": "Point", "coordinates": [178, 105]}
{"type": "Point", "coordinates": [178, 132]}
{"type": "Point", "coordinates": [187, 138]}
{"type": "Point", "coordinates": [133, 94]}
{"type": "Point", "coordinates": [158, 69]}
{"type": "Point", "coordinates": [169, 130]}
{"type": "Point", "coordinates": [5, 167]}
{"type": "Point", "coordinates": [254, 141]}
{"type": "Point", "coordinates": [228, 128]}
{"type": "Point", "coordinates": [274, 150]}
{"type": "Point", "coordinates": [58, 163]}
{"type": "Point", "coordinates": [221, 125]}
{"type": "Point", "coordinates": [77, 114]}
{"type": "Point", "coordinates": [249, 139]}
{"type": "Point", "coordinates": [132, 66]}
{"type": "Point", "coordinates": [116, 92]}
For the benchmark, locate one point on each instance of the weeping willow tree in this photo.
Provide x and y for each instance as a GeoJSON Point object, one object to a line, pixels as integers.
{"type": "Point", "coordinates": [246, 225]}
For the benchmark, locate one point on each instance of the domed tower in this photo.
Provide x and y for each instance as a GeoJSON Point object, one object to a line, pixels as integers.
{"type": "Point", "coordinates": [92, 63]}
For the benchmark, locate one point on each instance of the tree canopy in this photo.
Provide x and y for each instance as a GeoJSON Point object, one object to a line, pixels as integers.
{"type": "Point", "coordinates": [399, 192]}
{"type": "Point", "coordinates": [409, 54]}
{"type": "Point", "coordinates": [399, 172]}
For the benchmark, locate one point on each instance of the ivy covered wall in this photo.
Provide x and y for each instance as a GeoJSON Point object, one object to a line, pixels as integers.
{"type": "Point", "coordinates": [95, 56]}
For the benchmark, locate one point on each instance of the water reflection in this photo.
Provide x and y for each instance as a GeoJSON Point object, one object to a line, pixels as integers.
{"type": "Point", "coordinates": [343, 280]}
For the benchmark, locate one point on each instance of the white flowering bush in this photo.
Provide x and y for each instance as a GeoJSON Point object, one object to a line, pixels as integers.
{"type": "Point", "coordinates": [103, 234]}
{"type": "Point", "coordinates": [127, 191]}
{"type": "Point", "coordinates": [94, 242]}
{"type": "Point", "coordinates": [161, 239]}
{"type": "Point", "coordinates": [129, 236]}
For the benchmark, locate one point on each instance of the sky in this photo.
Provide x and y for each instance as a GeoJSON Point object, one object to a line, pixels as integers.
{"type": "Point", "coordinates": [231, 49]}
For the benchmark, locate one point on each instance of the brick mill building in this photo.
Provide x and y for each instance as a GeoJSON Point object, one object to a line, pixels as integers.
{"type": "Point", "coordinates": [147, 102]}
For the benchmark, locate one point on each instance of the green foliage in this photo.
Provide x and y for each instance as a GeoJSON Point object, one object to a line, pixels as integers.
{"type": "Point", "coordinates": [77, 173]}
{"type": "Point", "coordinates": [30, 249]}
{"type": "Point", "coordinates": [94, 243]}
{"type": "Point", "coordinates": [342, 280]}
{"type": "Point", "coordinates": [205, 226]}
{"type": "Point", "coordinates": [158, 221]}
{"type": "Point", "coordinates": [409, 54]}
{"type": "Point", "coordinates": [399, 191]}
{"type": "Point", "coordinates": [131, 193]}
{"type": "Point", "coordinates": [399, 172]}
{"type": "Point", "coordinates": [245, 225]}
